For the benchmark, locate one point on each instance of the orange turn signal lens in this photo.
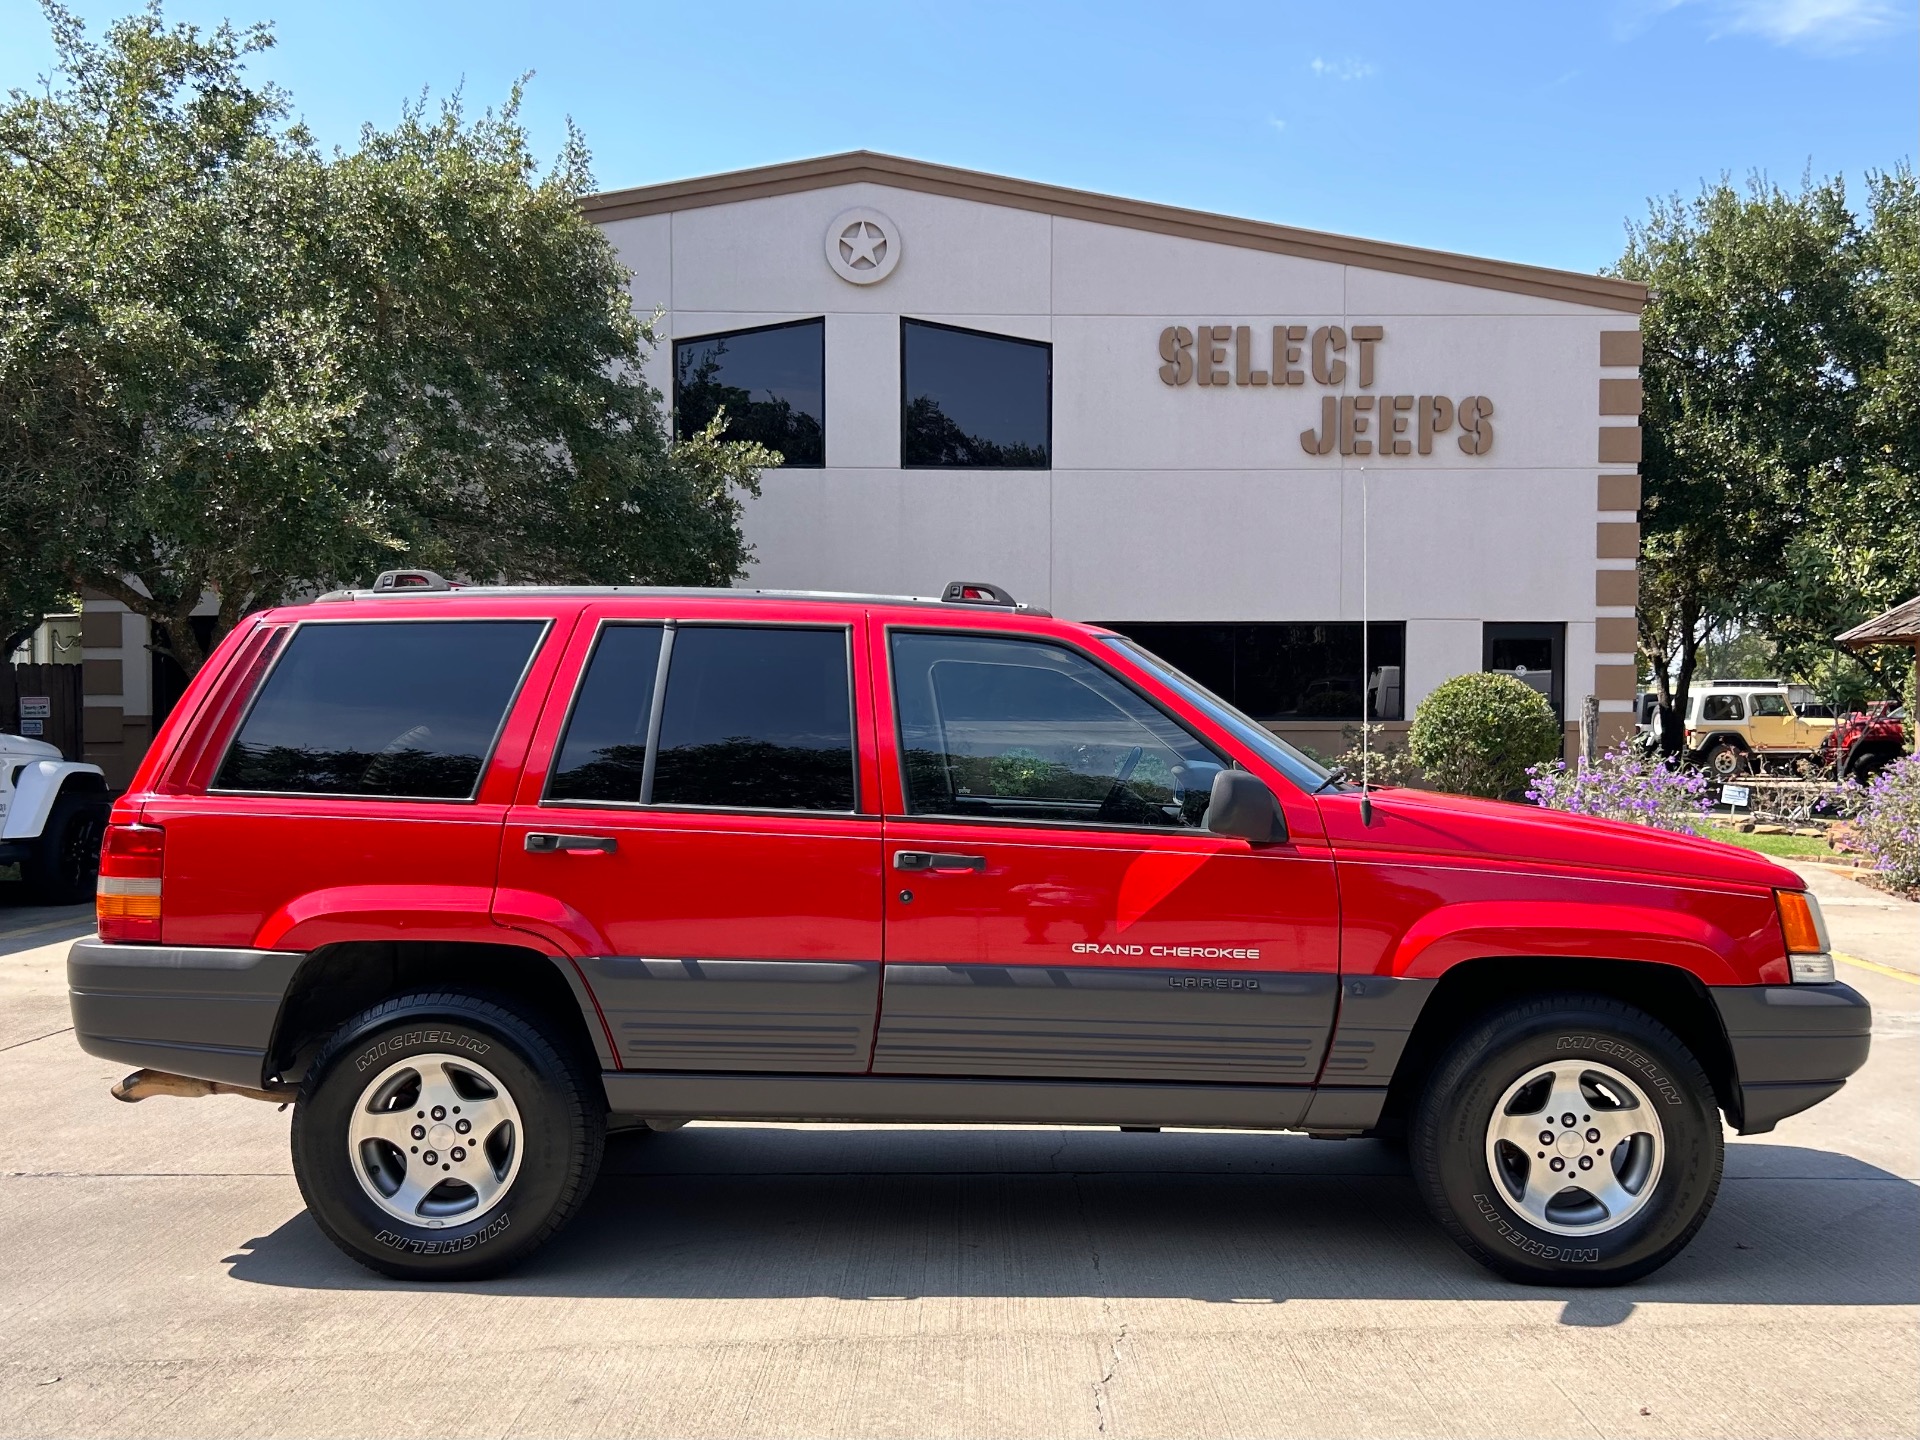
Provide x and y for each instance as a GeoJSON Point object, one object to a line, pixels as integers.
{"type": "Point", "coordinates": [1800, 922]}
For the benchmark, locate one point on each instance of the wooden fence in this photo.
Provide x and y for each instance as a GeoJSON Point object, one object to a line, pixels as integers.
{"type": "Point", "coordinates": [42, 701]}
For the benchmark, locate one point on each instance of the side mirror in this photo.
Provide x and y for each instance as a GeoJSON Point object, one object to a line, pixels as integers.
{"type": "Point", "coordinates": [1242, 805]}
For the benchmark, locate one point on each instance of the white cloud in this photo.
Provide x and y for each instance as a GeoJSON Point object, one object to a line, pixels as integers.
{"type": "Point", "coordinates": [1822, 26]}
{"type": "Point", "coordinates": [1276, 122]}
{"type": "Point", "coordinates": [1348, 69]}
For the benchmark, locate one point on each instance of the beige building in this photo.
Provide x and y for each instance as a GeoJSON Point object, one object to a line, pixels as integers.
{"type": "Point", "coordinates": [1233, 439]}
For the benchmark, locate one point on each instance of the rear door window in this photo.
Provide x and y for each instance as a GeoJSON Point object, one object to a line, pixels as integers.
{"type": "Point", "coordinates": [604, 754]}
{"type": "Point", "coordinates": [401, 708]}
{"type": "Point", "coordinates": [1723, 707]}
{"type": "Point", "coordinates": [757, 718]}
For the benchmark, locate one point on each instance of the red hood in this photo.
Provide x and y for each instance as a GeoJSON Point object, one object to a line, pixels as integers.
{"type": "Point", "coordinates": [1423, 820]}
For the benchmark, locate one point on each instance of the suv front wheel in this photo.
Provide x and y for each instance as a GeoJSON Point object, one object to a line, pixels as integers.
{"type": "Point", "coordinates": [442, 1136]}
{"type": "Point", "coordinates": [1569, 1140]}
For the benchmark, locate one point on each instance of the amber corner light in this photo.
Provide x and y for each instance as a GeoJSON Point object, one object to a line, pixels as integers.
{"type": "Point", "coordinates": [1800, 922]}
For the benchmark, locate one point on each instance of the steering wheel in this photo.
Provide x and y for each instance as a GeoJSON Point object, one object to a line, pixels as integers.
{"type": "Point", "coordinates": [1120, 778]}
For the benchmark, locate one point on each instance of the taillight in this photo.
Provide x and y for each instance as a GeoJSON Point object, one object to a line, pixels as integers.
{"type": "Point", "coordinates": [127, 900]}
{"type": "Point", "coordinates": [1805, 930]}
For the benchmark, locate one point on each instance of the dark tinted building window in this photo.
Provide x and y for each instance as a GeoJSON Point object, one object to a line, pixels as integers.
{"type": "Point", "coordinates": [392, 707]}
{"type": "Point", "coordinates": [1288, 671]}
{"type": "Point", "coordinates": [757, 718]}
{"type": "Point", "coordinates": [1017, 730]}
{"type": "Point", "coordinates": [1533, 653]}
{"type": "Point", "coordinates": [604, 754]}
{"type": "Point", "coordinates": [974, 401]}
{"type": "Point", "coordinates": [771, 381]}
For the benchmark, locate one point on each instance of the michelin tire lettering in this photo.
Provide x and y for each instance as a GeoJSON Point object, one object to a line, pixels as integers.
{"type": "Point", "coordinates": [473, 1045]}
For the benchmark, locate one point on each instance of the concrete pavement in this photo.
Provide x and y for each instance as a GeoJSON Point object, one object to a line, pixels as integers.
{"type": "Point", "coordinates": [161, 1277]}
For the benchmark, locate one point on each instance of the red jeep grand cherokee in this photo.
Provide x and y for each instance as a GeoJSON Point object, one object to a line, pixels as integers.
{"type": "Point", "coordinates": [471, 874]}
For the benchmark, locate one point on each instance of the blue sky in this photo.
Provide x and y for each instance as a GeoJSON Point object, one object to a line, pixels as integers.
{"type": "Point", "coordinates": [1524, 131]}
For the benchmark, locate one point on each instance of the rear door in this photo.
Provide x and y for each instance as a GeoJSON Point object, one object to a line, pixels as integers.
{"type": "Point", "coordinates": [1055, 909]}
{"type": "Point", "coordinates": [691, 828]}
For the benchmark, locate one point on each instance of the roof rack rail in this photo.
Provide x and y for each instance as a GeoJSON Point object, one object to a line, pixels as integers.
{"type": "Point", "coordinates": [977, 592]}
{"type": "Point", "coordinates": [413, 580]}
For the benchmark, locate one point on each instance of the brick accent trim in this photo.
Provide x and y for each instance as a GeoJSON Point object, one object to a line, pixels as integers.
{"type": "Point", "coordinates": [1617, 540]}
{"type": "Point", "coordinates": [1620, 397]}
{"type": "Point", "coordinates": [1616, 635]}
{"type": "Point", "coordinates": [1619, 445]}
{"type": "Point", "coordinates": [1615, 682]}
{"type": "Point", "coordinates": [1616, 587]}
{"type": "Point", "coordinates": [1620, 347]}
{"type": "Point", "coordinates": [1618, 492]}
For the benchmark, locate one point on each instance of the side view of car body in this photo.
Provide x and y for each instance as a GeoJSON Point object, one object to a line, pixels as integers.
{"type": "Point", "coordinates": [1737, 726]}
{"type": "Point", "coordinates": [471, 875]}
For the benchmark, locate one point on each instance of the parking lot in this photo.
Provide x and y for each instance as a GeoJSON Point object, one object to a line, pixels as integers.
{"type": "Point", "coordinates": [161, 1276]}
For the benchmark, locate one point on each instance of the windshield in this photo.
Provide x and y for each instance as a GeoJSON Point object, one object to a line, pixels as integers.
{"type": "Point", "coordinates": [1299, 767]}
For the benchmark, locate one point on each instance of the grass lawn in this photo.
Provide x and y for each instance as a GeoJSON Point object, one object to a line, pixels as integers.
{"type": "Point", "coordinates": [1794, 846]}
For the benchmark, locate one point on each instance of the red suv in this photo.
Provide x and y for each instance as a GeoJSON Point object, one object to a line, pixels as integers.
{"type": "Point", "coordinates": [471, 875]}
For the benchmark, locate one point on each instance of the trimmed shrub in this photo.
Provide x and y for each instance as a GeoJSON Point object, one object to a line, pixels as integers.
{"type": "Point", "coordinates": [1478, 734]}
{"type": "Point", "coordinates": [1628, 784]}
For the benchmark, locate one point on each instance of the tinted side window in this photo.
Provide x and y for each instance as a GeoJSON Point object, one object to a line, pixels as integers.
{"type": "Point", "coordinates": [1723, 707]}
{"type": "Point", "coordinates": [604, 754]}
{"type": "Point", "coordinates": [1017, 730]}
{"type": "Point", "coordinates": [382, 707]}
{"type": "Point", "coordinates": [771, 382]}
{"type": "Point", "coordinates": [970, 400]}
{"type": "Point", "coordinates": [757, 718]}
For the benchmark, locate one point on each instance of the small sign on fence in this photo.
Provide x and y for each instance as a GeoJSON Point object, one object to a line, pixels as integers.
{"type": "Point", "coordinates": [33, 727]}
{"type": "Point", "coordinates": [1735, 795]}
{"type": "Point", "coordinates": [36, 707]}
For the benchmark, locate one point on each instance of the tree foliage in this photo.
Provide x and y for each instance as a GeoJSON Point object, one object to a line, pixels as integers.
{"type": "Point", "coordinates": [232, 363]}
{"type": "Point", "coordinates": [1782, 399]}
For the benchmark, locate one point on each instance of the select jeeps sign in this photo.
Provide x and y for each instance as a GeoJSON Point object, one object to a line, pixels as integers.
{"type": "Point", "coordinates": [1350, 424]}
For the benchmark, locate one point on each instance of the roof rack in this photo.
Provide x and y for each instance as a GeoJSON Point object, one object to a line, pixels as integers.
{"type": "Point", "coordinates": [397, 584]}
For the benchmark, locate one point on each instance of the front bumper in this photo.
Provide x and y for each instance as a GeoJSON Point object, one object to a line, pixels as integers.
{"type": "Point", "coordinates": [187, 1010]}
{"type": "Point", "coordinates": [1793, 1046]}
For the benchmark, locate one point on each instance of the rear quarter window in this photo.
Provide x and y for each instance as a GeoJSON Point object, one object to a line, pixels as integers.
{"type": "Point", "coordinates": [400, 708]}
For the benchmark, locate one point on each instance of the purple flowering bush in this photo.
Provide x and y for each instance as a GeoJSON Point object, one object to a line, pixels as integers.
{"type": "Point", "coordinates": [1886, 822]}
{"type": "Point", "coordinates": [1624, 784]}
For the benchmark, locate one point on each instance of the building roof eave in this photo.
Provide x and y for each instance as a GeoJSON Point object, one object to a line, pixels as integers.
{"type": "Point", "coordinates": [1898, 626]}
{"type": "Point", "coordinates": [866, 166]}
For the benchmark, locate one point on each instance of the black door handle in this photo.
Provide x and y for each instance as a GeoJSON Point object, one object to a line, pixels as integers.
{"type": "Point", "coordinates": [937, 860]}
{"type": "Point", "coordinates": [545, 843]}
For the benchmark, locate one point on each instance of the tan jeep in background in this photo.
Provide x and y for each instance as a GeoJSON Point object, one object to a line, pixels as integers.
{"type": "Point", "coordinates": [1734, 726]}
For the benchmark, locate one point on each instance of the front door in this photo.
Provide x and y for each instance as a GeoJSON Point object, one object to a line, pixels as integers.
{"type": "Point", "coordinates": [1773, 728]}
{"type": "Point", "coordinates": [1055, 909]}
{"type": "Point", "coordinates": [691, 831]}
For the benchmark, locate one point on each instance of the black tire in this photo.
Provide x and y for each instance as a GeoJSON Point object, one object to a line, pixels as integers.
{"type": "Point", "coordinates": [65, 863]}
{"type": "Point", "coordinates": [1449, 1140]}
{"type": "Point", "coordinates": [1725, 760]}
{"type": "Point", "coordinates": [561, 1134]}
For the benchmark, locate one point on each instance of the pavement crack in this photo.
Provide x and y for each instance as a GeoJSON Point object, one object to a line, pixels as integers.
{"type": "Point", "coordinates": [35, 1040]}
{"type": "Point", "coordinates": [1117, 1347]}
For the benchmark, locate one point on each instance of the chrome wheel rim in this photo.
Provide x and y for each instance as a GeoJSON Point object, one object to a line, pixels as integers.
{"type": "Point", "coordinates": [435, 1140]}
{"type": "Point", "coordinates": [1576, 1147]}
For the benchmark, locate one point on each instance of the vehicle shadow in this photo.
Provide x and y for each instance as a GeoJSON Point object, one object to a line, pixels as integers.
{"type": "Point", "coordinates": [768, 1212]}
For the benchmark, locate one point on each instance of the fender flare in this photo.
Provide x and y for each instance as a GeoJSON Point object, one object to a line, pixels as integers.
{"type": "Point", "coordinates": [1572, 930]}
{"type": "Point", "coordinates": [39, 787]}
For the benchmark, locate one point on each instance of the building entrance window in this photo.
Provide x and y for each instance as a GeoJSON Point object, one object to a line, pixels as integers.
{"type": "Point", "coordinates": [1534, 654]}
{"type": "Point", "coordinates": [1288, 671]}
{"type": "Point", "coordinates": [770, 380]}
{"type": "Point", "coordinates": [974, 401]}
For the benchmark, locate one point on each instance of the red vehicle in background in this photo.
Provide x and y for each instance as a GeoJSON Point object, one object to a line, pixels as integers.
{"type": "Point", "coordinates": [1865, 742]}
{"type": "Point", "coordinates": [472, 875]}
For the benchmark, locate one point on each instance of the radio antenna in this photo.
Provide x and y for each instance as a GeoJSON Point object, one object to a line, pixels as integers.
{"type": "Point", "coordinates": [1366, 670]}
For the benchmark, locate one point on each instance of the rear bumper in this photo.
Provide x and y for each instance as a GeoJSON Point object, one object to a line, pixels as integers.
{"type": "Point", "coordinates": [190, 1011]}
{"type": "Point", "coordinates": [1793, 1046]}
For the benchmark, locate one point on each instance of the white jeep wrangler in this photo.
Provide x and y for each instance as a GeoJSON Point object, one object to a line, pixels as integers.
{"type": "Point", "coordinates": [53, 812]}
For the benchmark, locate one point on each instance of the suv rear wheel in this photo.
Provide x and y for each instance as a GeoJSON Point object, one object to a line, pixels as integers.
{"type": "Point", "coordinates": [442, 1136]}
{"type": "Point", "coordinates": [1724, 760]}
{"type": "Point", "coordinates": [1568, 1140]}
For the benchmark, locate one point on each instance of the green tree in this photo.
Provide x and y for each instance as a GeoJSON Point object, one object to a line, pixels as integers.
{"type": "Point", "coordinates": [1780, 475]}
{"type": "Point", "coordinates": [1478, 733]}
{"type": "Point", "coordinates": [232, 363]}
